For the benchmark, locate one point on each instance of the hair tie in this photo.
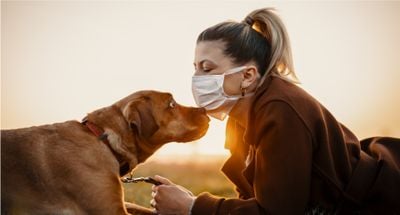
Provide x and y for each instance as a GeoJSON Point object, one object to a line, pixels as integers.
{"type": "Point", "coordinates": [248, 20]}
{"type": "Point", "coordinates": [253, 24]}
{"type": "Point", "coordinates": [256, 27]}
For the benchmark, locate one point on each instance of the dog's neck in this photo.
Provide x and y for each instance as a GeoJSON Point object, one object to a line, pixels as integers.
{"type": "Point", "coordinates": [145, 149]}
{"type": "Point", "coordinates": [128, 147]}
{"type": "Point", "coordinates": [119, 136]}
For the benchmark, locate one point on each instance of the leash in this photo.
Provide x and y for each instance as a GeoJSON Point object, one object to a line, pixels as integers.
{"type": "Point", "coordinates": [149, 180]}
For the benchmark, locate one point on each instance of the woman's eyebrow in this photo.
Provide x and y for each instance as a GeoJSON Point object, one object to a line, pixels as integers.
{"type": "Point", "coordinates": [202, 62]}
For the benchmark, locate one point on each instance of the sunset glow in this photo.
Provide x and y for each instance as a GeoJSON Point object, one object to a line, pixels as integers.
{"type": "Point", "coordinates": [61, 60]}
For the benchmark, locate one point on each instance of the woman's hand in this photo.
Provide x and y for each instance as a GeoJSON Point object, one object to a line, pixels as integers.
{"type": "Point", "coordinates": [170, 198]}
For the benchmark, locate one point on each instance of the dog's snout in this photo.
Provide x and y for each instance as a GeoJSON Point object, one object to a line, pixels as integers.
{"type": "Point", "coordinates": [201, 110]}
{"type": "Point", "coordinates": [200, 113]}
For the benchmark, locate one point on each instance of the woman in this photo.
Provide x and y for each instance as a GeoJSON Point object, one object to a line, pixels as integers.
{"type": "Point", "coordinates": [289, 155]}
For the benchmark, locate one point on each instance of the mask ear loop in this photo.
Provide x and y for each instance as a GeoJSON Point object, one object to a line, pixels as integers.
{"type": "Point", "coordinates": [235, 70]}
{"type": "Point", "coordinates": [242, 89]}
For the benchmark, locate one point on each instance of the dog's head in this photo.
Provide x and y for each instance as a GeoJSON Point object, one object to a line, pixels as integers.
{"type": "Point", "coordinates": [157, 118]}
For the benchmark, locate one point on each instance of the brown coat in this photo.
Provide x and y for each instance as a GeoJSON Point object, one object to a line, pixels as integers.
{"type": "Point", "coordinates": [301, 159]}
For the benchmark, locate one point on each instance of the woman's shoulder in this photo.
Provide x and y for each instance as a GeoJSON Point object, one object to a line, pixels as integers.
{"type": "Point", "coordinates": [279, 89]}
{"type": "Point", "coordinates": [293, 102]}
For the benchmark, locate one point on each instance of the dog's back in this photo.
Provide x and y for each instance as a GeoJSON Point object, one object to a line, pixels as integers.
{"type": "Point", "coordinates": [39, 164]}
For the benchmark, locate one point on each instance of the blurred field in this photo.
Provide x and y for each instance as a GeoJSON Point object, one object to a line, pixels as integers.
{"type": "Point", "coordinates": [198, 174]}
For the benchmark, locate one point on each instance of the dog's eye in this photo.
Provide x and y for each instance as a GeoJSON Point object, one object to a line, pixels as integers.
{"type": "Point", "coordinates": [172, 104]}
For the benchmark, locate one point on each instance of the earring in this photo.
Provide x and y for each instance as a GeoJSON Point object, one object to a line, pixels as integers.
{"type": "Point", "coordinates": [243, 90]}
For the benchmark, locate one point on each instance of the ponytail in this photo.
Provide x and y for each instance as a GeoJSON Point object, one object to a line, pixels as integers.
{"type": "Point", "coordinates": [267, 23]}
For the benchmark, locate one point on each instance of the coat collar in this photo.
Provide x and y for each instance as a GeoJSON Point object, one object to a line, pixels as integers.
{"type": "Point", "coordinates": [238, 139]}
{"type": "Point", "coordinates": [235, 165]}
{"type": "Point", "coordinates": [233, 128]}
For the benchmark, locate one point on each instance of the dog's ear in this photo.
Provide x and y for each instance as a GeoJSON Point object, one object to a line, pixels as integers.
{"type": "Point", "coordinates": [140, 117]}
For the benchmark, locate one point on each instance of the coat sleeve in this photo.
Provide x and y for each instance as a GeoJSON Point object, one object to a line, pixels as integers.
{"type": "Point", "coordinates": [282, 167]}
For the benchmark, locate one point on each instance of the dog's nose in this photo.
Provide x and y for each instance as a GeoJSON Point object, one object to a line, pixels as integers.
{"type": "Point", "coordinates": [201, 110]}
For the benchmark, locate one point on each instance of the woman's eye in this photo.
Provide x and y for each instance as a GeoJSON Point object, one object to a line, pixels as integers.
{"type": "Point", "coordinates": [172, 104]}
{"type": "Point", "coordinates": [206, 70]}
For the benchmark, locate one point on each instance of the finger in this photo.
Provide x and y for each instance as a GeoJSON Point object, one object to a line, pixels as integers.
{"type": "Point", "coordinates": [153, 203]}
{"type": "Point", "coordinates": [163, 180]}
{"type": "Point", "coordinates": [154, 193]}
{"type": "Point", "coordinates": [154, 188]}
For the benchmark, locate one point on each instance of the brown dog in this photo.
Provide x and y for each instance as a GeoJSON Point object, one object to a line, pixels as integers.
{"type": "Point", "coordinates": [75, 168]}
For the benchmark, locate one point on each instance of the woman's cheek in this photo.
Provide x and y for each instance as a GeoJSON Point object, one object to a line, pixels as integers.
{"type": "Point", "coordinates": [231, 85]}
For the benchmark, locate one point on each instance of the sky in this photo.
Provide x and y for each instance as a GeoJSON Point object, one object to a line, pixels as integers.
{"type": "Point", "coordinates": [63, 59]}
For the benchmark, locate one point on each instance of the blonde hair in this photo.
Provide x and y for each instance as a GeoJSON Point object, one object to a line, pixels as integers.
{"type": "Point", "coordinates": [266, 22]}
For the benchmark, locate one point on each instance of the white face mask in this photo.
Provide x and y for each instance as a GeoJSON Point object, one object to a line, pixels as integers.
{"type": "Point", "coordinates": [208, 92]}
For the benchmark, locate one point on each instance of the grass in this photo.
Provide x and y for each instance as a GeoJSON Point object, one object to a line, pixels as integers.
{"type": "Point", "coordinates": [199, 174]}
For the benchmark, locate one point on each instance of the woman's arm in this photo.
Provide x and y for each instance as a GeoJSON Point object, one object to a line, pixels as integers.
{"type": "Point", "coordinates": [282, 171]}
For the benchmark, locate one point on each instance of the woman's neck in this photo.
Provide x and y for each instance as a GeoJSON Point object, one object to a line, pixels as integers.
{"type": "Point", "coordinates": [240, 111]}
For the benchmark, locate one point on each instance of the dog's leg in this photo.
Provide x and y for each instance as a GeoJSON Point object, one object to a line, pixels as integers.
{"type": "Point", "coordinates": [135, 209]}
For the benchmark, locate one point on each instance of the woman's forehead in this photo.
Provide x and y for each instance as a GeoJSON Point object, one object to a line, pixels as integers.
{"type": "Point", "coordinates": [209, 50]}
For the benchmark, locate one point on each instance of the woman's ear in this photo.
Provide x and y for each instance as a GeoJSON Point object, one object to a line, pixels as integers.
{"type": "Point", "coordinates": [250, 76]}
